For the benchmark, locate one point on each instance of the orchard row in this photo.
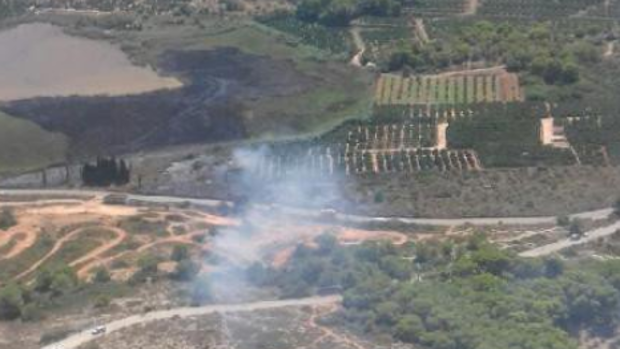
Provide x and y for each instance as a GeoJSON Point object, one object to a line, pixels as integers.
{"type": "Point", "coordinates": [451, 89]}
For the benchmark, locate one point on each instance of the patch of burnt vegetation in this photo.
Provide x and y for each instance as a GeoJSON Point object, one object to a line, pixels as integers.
{"type": "Point", "coordinates": [209, 108]}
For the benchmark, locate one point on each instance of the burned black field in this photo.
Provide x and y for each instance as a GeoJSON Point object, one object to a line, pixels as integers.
{"type": "Point", "coordinates": [209, 108]}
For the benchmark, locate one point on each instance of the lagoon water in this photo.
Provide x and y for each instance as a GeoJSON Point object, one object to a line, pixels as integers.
{"type": "Point", "coordinates": [40, 60]}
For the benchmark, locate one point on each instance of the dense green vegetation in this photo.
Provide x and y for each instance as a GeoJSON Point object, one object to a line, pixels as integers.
{"type": "Point", "coordinates": [51, 283]}
{"type": "Point", "coordinates": [505, 136]}
{"type": "Point", "coordinates": [539, 49]}
{"type": "Point", "coordinates": [448, 295]}
{"type": "Point", "coordinates": [334, 40]}
{"type": "Point", "coordinates": [7, 219]}
{"type": "Point", "coordinates": [341, 12]}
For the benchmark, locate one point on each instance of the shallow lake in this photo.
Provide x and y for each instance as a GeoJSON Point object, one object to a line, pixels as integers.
{"type": "Point", "coordinates": [40, 60]}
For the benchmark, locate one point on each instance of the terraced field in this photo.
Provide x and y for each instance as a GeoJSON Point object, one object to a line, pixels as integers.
{"type": "Point", "coordinates": [436, 8]}
{"type": "Point", "coordinates": [454, 88]}
{"type": "Point", "coordinates": [324, 161]}
{"type": "Point", "coordinates": [395, 140]}
{"type": "Point", "coordinates": [536, 8]}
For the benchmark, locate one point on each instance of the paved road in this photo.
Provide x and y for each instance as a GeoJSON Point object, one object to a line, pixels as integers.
{"type": "Point", "coordinates": [84, 337]}
{"type": "Point", "coordinates": [593, 235]}
{"type": "Point", "coordinates": [597, 214]}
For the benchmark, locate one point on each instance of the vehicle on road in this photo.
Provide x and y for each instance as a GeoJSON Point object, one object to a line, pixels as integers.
{"type": "Point", "coordinates": [98, 330]}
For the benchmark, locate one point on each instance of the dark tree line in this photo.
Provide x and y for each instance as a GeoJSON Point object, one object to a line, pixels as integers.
{"type": "Point", "coordinates": [106, 172]}
{"type": "Point", "coordinates": [341, 12]}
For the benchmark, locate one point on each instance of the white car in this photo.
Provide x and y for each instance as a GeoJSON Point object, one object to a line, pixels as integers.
{"type": "Point", "coordinates": [98, 330]}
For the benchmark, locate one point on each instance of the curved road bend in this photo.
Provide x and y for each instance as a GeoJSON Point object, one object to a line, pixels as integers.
{"type": "Point", "coordinates": [597, 214]}
{"type": "Point", "coordinates": [78, 339]}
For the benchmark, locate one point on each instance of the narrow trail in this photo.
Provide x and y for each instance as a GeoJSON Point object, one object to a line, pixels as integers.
{"type": "Point", "coordinates": [359, 45]}
{"type": "Point", "coordinates": [79, 339]}
{"type": "Point", "coordinates": [95, 262]}
{"type": "Point", "coordinates": [57, 247]}
{"type": "Point", "coordinates": [471, 8]}
{"type": "Point", "coordinates": [609, 49]}
{"type": "Point", "coordinates": [121, 235]}
{"type": "Point", "coordinates": [318, 312]}
{"type": "Point", "coordinates": [29, 238]}
{"type": "Point", "coordinates": [182, 239]}
{"type": "Point", "coordinates": [420, 31]}
{"type": "Point", "coordinates": [85, 270]}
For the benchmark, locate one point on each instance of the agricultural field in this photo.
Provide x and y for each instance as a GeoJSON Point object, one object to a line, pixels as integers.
{"type": "Point", "coordinates": [539, 9]}
{"type": "Point", "coordinates": [455, 89]}
{"type": "Point", "coordinates": [436, 8]}
{"type": "Point", "coordinates": [412, 139]}
{"type": "Point", "coordinates": [318, 162]}
{"type": "Point", "coordinates": [392, 141]}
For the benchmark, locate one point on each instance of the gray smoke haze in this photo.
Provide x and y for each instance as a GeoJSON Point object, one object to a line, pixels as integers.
{"type": "Point", "coordinates": [262, 221]}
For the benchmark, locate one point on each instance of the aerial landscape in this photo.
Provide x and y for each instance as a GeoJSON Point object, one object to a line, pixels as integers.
{"type": "Point", "coordinates": [288, 174]}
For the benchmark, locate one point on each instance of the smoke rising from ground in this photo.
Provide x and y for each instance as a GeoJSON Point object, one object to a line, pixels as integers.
{"type": "Point", "coordinates": [263, 224]}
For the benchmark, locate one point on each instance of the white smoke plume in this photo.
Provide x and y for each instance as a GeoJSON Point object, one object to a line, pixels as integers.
{"type": "Point", "coordinates": [262, 219]}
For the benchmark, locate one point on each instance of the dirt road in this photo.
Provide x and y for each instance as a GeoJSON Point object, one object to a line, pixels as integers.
{"type": "Point", "coordinates": [359, 45]}
{"type": "Point", "coordinates": [85, 336]}
{"type": "Point", "coordinates": [471, 8]}
{"type": "Point", "coordinates": [343, 218]}
{"type": "Point", "coordinates": [609, 49]}
{"type": "Point", "coordinates": [420, 31]}
{"type": "Point", "coordinates": [593, 235]}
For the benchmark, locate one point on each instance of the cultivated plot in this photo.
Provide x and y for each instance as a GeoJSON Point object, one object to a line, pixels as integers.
{"type": "Point", "coordinates": [453, 88]}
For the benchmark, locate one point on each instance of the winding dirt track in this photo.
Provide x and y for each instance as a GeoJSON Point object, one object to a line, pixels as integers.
{"type": "Point", "coordinates": [121, 235]}
{"type": "Point", "coordinates": [359, 45]}
{"type": "Point", "coordinates": [60, 243]}
{"type": "Point", "coordinates": [74, 341]}
{"type": "Point", "coordinates": [29, 238]}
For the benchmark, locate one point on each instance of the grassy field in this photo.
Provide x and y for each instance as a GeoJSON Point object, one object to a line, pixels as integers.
{"type": "Point", "coordinates": [25, 146]}
{"type": "Point", "coordinates": [339, 92]}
